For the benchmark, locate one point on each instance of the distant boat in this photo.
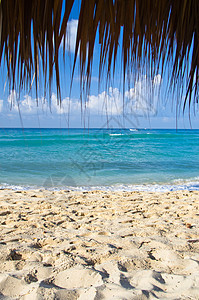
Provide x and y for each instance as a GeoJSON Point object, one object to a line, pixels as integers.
{"type": "Point", "coordinates": [133, 129]}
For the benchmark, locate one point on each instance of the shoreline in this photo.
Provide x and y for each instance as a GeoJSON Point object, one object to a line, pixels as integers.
{"type": "Point", "coordinates": [177, 185]}
{"type": "Point", "coordinates": [99, 244]}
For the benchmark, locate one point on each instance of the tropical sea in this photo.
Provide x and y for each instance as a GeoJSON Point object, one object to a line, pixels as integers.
{"type": "Point", "coordinates": [106, 159]}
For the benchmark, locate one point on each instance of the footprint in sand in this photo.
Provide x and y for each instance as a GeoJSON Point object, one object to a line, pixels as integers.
{"type": "Point", "coordinates": [169, 258]}
{"type": "Point", "coordinates": [156, 284]}
{"type": "Point", "coordinates": [11, 286]}
{"type": "Point", "coordinates": [78, 278]}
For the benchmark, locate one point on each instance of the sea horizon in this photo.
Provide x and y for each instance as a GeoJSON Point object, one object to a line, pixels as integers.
{"type": "Point", "coordinates": [100, 128]}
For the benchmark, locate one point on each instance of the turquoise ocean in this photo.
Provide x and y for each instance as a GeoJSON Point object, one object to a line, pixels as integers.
{"type": "Point", "coordinates": [107, 159]}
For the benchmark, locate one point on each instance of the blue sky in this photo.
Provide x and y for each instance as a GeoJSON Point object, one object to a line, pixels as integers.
{"type": "Point", "coordinates": [137, 107]}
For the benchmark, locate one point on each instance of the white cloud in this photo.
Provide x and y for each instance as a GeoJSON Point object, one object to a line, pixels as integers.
{"type": "Point", "coordinates": [67, 105]}
{"type": "Point", "coordinates": [32, 106]}
{"type": "Point", "coordinates": [11, 100]}
{"type": "Point", "coordinates": [143, 98]}
{"type": "Point", "coordinates": [1, 105]}
{"type": "Point", "coordinates": [71, 34]}
{"type": "Point", "coordinates": [157, 80]}
{"type": "Point", "coordinates": [27, 105]}
{"type": "Point", "coordinates": [138, 101]}
{"type": "Point", "coordinates": [110, 103]}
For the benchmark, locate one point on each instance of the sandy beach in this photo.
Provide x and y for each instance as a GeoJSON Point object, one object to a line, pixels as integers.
{"type": "Point", "coordinates": [99, 245]}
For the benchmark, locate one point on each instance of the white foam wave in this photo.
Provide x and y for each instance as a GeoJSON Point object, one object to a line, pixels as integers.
{"type": "Point", "coordinates": [115, 134]}
{"type": "Point", "coordinates": [185, 185]}
{"type": "Point", "coordinates": [13, 187]}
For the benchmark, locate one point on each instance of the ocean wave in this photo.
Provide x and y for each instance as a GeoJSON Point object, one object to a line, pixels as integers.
{"type": "Point", "coordinates": [13, 187]}
{"type": "Point", "coordinates": [184, 185]}
{"type": "Point", "coordinates": [116, 134]}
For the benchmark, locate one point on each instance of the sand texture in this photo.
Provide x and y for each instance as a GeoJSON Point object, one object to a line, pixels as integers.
{"type": "Point", "coordinates": [99, 245]}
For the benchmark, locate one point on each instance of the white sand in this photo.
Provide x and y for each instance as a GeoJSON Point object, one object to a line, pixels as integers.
{"type": "Point", "coordinates": [99, 245]}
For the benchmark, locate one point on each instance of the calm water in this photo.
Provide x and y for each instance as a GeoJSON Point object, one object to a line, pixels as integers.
{"type": "Point", "coordinates": [107, 159]}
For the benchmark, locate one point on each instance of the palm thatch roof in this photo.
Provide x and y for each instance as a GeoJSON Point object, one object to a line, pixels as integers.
{"type": "Point", "coordinates": [153, 33]}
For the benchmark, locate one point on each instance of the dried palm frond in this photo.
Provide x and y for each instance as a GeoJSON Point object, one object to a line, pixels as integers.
{"type": "Point", "coordinates": [31, 32]}
{"type": "Point", "coordinates": [153, 33]}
